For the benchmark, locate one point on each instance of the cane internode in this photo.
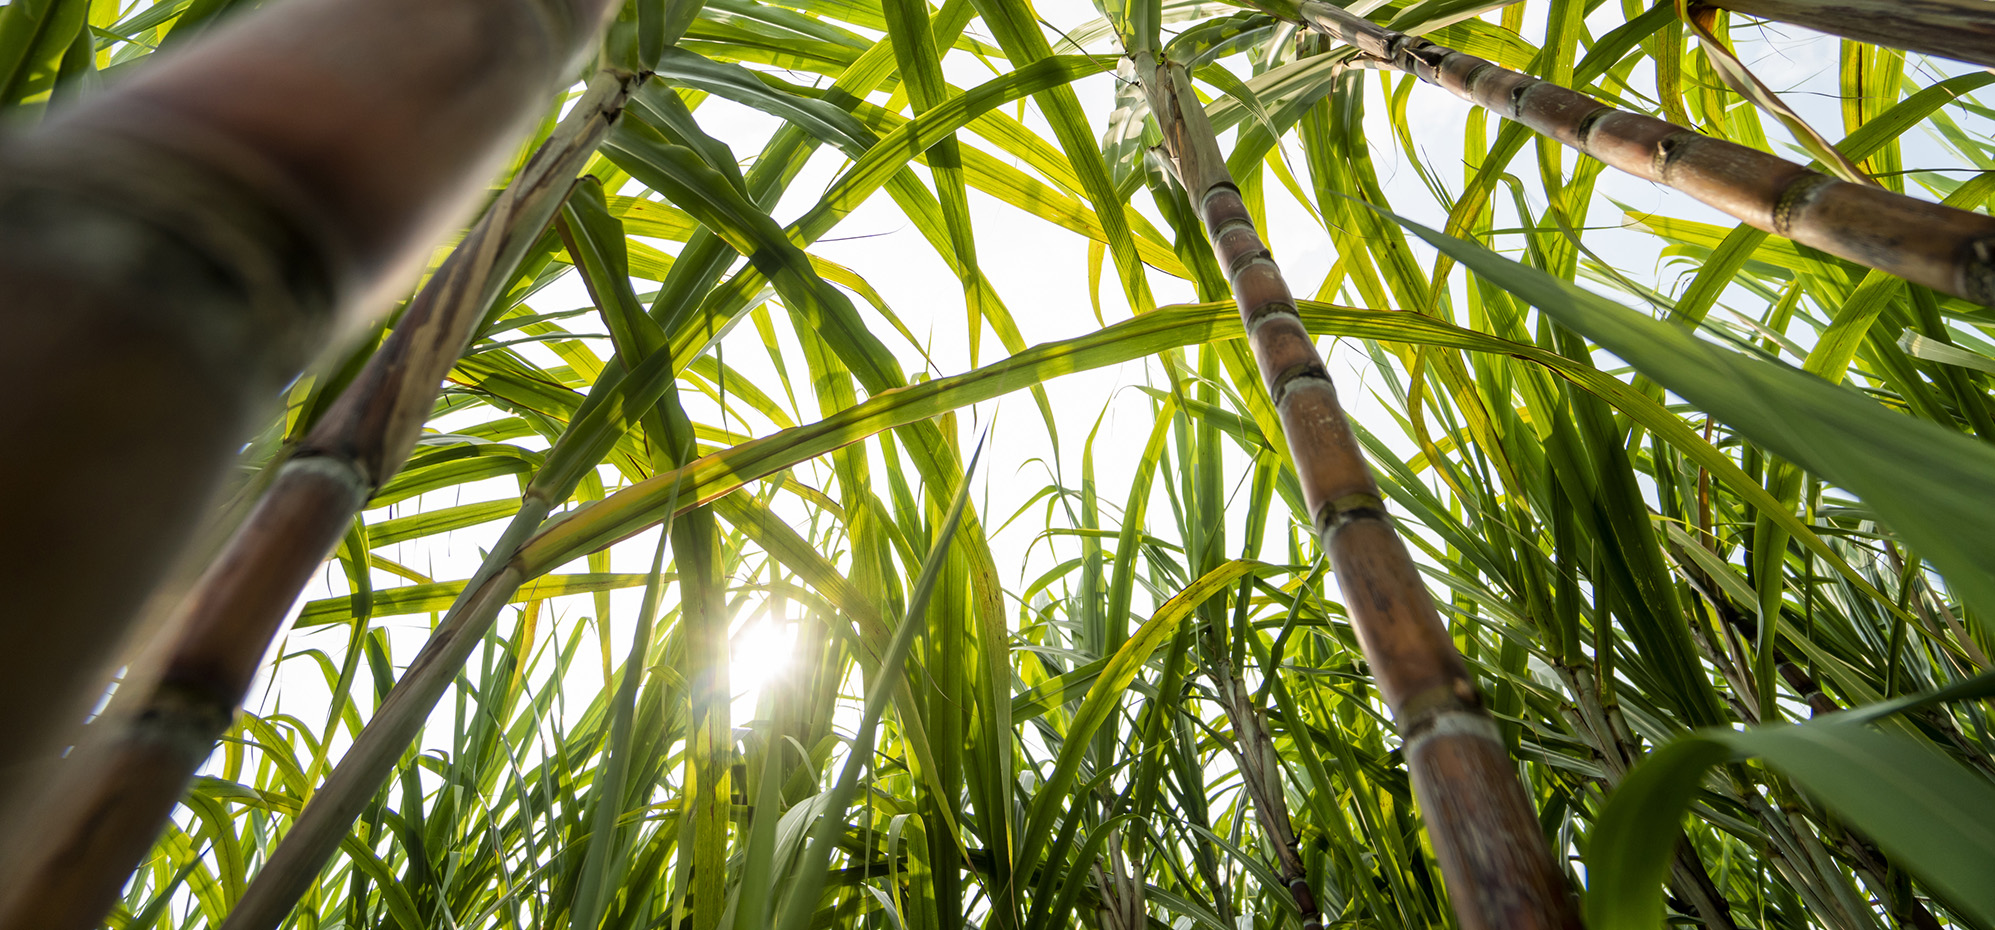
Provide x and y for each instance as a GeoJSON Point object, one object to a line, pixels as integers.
{"type": "Point", "coordinates": [1499, 874]}
{"type": "Point", "coordinates": [1926, 243]}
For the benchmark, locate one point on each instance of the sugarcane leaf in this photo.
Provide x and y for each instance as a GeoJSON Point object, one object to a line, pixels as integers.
{"type": "Point", "coordinates": [601, 863]}
{"type": "Point", "coordinates": [1106, 694]}
{"type": "Point", "coordinates": [1080, 866]}
{"type": "Point", "coordinates": [1122, 573]}
{"type": "Point", "coordinates": [1924, 481]}
{"type": "Point", "coordinates": [914, 137]}
{"type": "Point", "coordinates": [1627, 855]}
{"type": "Point", "coordinates": [1933, 350]}
{"type": "Point", "coordinates": [199, 15]}
{"type": "Point", "coordinates": [801, 900]}
{"type": "Point", "coordinates": [1703, 22]}
{"type": "Point", "coordinates": [1851, 326]}
{"type": "Point", "coordinates": [699, 190]}
{"type": "Point", "coordinates": [816, 117]}
{"type": "Point", "coordinates": [1055, 691]}
{"type": "Point", "coordinates": [1212, 39]}
{"type": "Point", "coordinates": [1016, 27]}
{"type": "Point", "coordinates": [33, 35]}
{"type": "Point", "coordinates": [1930, 814]}
{"type": "Point", "coordinates": [434, 596]}
{"type": "Point", "coordinates": [149, 917]}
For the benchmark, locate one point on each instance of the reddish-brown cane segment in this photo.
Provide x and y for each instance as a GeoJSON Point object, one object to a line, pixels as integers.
{"type": "Point", "coordinates": [1499, 870]}
{"type": "Point", "coordinates": [204, 224]}
{"type": "Point", "coordinates": [1946, 249]}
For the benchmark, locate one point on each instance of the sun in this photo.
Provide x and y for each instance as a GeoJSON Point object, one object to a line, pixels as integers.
{"type": "Point", "coordinates": [759, 654]}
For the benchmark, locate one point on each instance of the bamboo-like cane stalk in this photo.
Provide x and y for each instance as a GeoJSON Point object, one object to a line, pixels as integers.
{"type": "Point", "coordinates": [1963, 30]}
{"type": "Point", "coordinates": [316, 834]}
{"type": "Point", "coordinates": [353, 783]}
{"type": "Point", "coordinates": [1948, 250]}
{"type": "Point", "coordinates": [1499, 872]}
{"type": "Point", "coordinates": [297, 860]}
{"type": "Point", "coordinates": [1260, 774]}
{"type": "Point", "coordinates": [1122, 897]}
{"type": "Point", "coordinates": [119, 790]}
{"type": "Point", "coordinates": [174, 250]}
{"type": "Point", "coordinates": [1869, 861]}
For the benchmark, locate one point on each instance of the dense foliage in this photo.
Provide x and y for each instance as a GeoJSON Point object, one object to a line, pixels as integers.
{"type": "Point", "coordinates": [1658, 572]}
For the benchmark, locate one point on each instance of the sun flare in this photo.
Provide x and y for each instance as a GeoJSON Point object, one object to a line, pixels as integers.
{"type": "Point", "coordinates": [758, 656]}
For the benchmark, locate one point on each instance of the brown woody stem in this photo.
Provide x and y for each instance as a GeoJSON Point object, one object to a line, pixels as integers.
{"type": "Point", "coordinates": [177, 247]}
{"type": "Point", "coordinates": [296, 863]}
{"type": "Point", "coordinates": [119, 789]}
{"type": "Point", "coordinates": [1500, 873]}
{"type": "Point", "coordinates": [1940, 247]}
{"type": "Point", "coordinates": [1963, 30]}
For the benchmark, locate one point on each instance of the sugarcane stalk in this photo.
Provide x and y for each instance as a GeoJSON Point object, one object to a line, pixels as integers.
{"type": "Point", "coordinates": [1963, 30]}
{"type": "Point", "coordinates": [1499, 872]}
{"type": "Point", "coordinates": [1870, 863]}
{"type": "Point", "coordinates": [520, 554]}
{"type": "Point", "coordinates": [175, 250]}
{"type": "Point", "coordinates": [1940, 247]}
{"type": "Point", "coordinates": [316, 834]}
{"type": "Point", "coordinates": [1260, 775]}
{"type": "Point", "coordinates": [118, 791]}
{"type": "Point", "coordinates": [1594, 723]}
{"type": "Point", "coordinates": [1122, 899]}
{"type": "Point", "coordinates": [296, 862]}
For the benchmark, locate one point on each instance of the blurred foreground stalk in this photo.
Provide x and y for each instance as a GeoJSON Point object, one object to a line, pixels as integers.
{"type": "Point", "coordinates": [175, 251]}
